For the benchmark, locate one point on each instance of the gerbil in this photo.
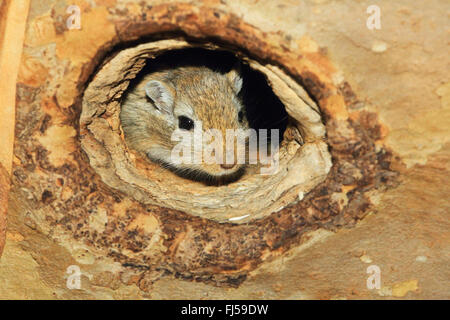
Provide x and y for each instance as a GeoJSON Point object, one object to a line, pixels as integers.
{"type": "Point", "coordinates": [180, 98]}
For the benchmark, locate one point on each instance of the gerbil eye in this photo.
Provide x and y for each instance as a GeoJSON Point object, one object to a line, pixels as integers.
{"type": "Point", "coordinates": [240, 116]}
{"type": "Point", "coordinates": [185, 123]}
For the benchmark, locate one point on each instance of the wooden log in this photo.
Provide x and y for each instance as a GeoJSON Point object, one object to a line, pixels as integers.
{"type": "Point", "coordinates": [4, 190]}
{"type": "Point", "coordinates": [13, 15]}
{"type": "Point", "coordinates": [66, 185]}
{"type": "Point", "coordinates": [63, 212]}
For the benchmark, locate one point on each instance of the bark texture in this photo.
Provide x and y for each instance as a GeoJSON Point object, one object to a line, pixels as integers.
{"type": "Point", "coordinates": [387, 131]}
{"type": "Point", "coordinates": [4, 189]}
{"type": "Point", "coordinates": [12, 28]}
{"type": "Point", "coordinates": [301, 166]}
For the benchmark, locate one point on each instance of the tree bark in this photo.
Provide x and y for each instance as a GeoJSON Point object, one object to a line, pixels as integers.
{"type": "Point", "coordinates": [384, 97]}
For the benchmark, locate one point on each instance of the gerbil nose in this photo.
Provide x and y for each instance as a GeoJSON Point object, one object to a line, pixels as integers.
{"type": "Point", "coordinates": [228, 166]}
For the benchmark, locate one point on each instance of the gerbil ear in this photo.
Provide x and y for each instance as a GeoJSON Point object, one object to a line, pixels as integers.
{"type": "Point", "coordinates": [234, 77]}
{"type": "Point", "coordinates": [161, 94]}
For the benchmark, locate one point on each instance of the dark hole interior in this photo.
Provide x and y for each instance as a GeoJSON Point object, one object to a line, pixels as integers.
{"type": "Point", "coordinates": [263, 108]}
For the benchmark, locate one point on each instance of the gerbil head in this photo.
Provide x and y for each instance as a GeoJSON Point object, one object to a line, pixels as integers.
{"type": "Point", "coordinates": [201, 107]}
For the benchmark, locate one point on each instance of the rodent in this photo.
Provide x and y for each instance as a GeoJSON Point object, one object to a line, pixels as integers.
{"type": "Point", "coordinates": [180, 97]}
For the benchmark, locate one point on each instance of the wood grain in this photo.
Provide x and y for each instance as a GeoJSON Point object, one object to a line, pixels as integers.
{"type": "Point", "coordinates": [4, 188]}
{"type": "Point", "coordinates": [13, 16]}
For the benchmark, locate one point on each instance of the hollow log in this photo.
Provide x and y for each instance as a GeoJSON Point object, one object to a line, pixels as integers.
{"type": "Point", "coordinates": [364, 160]}
{"type": "Point", "coordinates": [13, 16]}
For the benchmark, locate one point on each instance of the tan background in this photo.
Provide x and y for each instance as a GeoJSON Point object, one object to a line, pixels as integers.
{"type": "Point", "coordinates": [402, 73]}
{"type": "Point", "coordinates": [13, 16]}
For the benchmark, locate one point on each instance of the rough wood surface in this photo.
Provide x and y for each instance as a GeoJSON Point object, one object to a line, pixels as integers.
{"type": "Point", "coordinates": [62, 214]}
{"type": "Point", "coordinates": [12, 30]}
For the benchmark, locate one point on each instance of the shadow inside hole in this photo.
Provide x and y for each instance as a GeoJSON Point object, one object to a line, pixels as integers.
{"type": "Point", "coordinates": [264, 110]}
